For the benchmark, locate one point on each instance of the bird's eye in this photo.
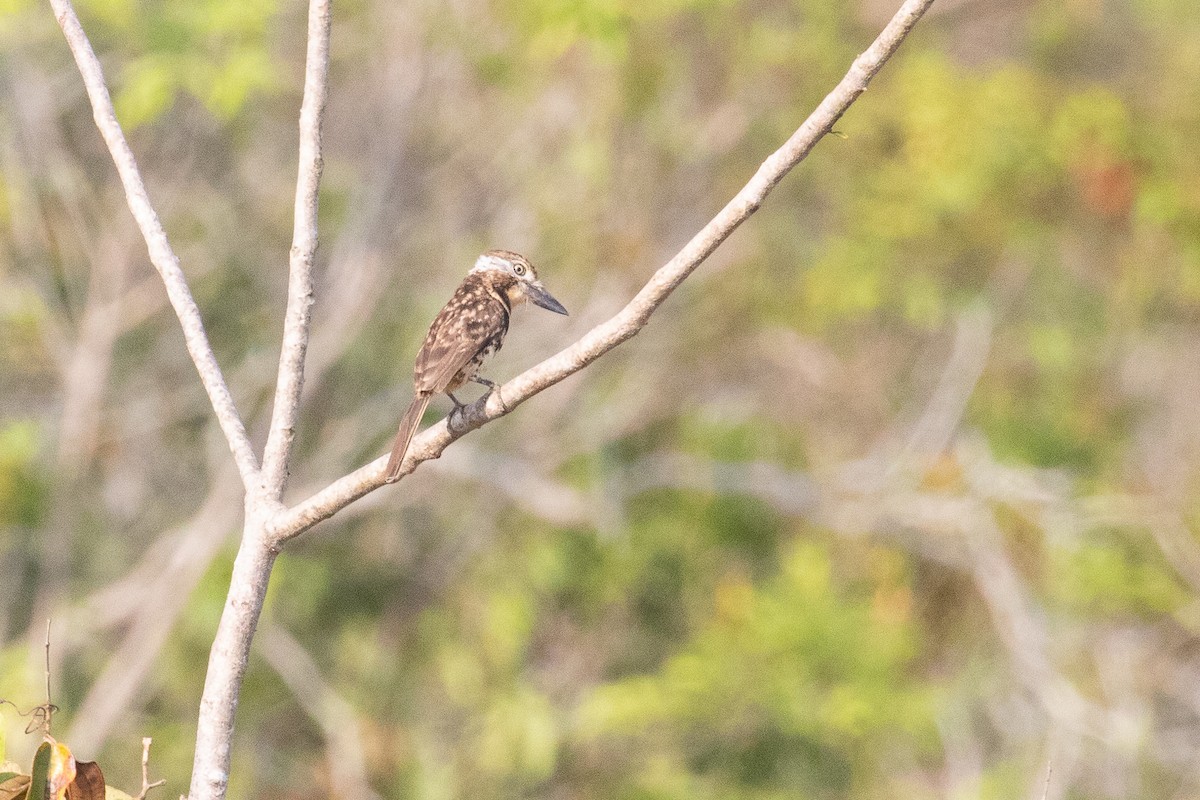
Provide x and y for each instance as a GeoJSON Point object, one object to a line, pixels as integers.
{"type": "Point", "coordinates": [519, 269]}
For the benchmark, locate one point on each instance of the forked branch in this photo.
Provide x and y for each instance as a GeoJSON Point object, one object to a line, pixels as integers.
{"type": "Point", "coordinates": [630, 320]}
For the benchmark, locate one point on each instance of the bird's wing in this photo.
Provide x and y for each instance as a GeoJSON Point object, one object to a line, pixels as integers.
{"type": "Point", "coordinates": [472, 321]}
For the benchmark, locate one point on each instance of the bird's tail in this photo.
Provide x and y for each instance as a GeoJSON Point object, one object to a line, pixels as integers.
{"type": "Point", "coordinates": [408, 427]}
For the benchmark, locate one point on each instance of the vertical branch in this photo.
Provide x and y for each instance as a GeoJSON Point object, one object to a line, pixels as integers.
{"type": "Point", "coordinates": [290, 382]}
{"type": "Point", "coordinates": [227, 661]}
{"type": "Point", "coordinates": [161, 254]}
{"type": "Point", "coordinates": [230, 651]}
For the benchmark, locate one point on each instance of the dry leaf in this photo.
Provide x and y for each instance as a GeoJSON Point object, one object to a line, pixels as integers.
{"type": "Point", "coordinates": [15, 788]}
{"type": "Point", "coordinates": [88, 783]}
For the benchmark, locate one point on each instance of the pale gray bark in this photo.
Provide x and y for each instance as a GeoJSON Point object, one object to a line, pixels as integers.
{"type": "Point", "coordinates": [161, 255]}
{"type": "Point", "coordinates": [290, 383]}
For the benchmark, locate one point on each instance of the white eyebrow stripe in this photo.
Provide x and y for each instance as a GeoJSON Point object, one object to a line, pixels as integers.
{"type": "Point", "coordinates": [486, 262]}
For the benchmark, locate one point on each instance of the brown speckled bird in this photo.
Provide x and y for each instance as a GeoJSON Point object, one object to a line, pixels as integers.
{"type": "Point", "coordinates": [469, 329]}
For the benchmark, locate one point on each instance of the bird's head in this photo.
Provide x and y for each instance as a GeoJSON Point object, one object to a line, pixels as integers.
{"type": "Point", "coordinates": [524, 283]}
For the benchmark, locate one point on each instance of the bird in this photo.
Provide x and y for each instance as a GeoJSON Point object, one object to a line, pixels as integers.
{"type": "Point", "coordinates": [470, 327]}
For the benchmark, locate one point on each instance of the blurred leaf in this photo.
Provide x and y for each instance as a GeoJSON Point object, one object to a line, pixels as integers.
{"type": "Point", "coordinates": [14, 787]}
{"type": "Point", "coordinates": [246, 73]}
{"type": "Point", "coordinates": [1109, 578]}
{"type": "Point", "coordinates": [1094, 118]}
{"type": "Point", "coordinates": [115, 13]}
{"type": "Point", "coordinates": [833, 670]}
{"type": "Point", "coordinates": [519, 736]}
{"type": "Point", "coordinates": [508, 620]}
{"type": "Point", "coordinates": [213, 49]}
{"type": "Point", "coordinates": [148, 89]}
{"type": "Point", "coordinates": [10, 9]}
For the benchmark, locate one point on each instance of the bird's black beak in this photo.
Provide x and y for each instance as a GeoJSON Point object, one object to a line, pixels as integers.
{"type": "Point", "coordinates": [538, 294]}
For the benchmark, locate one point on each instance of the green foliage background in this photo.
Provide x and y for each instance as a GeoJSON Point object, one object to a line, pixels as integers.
{"type": "Point", "coordinates": [710, 566]}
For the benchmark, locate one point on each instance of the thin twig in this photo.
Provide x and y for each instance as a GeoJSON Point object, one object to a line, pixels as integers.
{"type": "Point", "coordinates": [146, 784]}
{"type": "Point", "coordinates": [290, 382]}
{"type": "Point", "coordinates": [49, 702]}
{"type": "Point", "coordinates": [161, 255]}
{"type": "Point", "coordinates": [633, 317]}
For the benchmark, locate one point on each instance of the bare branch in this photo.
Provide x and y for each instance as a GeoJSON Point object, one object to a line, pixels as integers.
{"type": "Point", "coordinates": [147, 784]}
{"type": "Point", "coordinates": [227, 661]}
{"type": "Point", "coordinates": [161, 254]}
{"type": "Point", "coordinates": [290, 382]}
{"type": "Point", "coordinates": [633, 317]}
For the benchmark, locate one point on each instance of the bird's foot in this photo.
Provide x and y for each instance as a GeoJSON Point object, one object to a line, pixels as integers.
{"type": "Point", "coordinates": [492, 389]}
{"type": "Point", "coordinates": [458, 407]}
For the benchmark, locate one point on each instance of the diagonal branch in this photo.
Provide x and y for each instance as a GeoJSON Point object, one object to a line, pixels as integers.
{"type": "Point", "coordinates": [161, 255]}
{"type": "Point", "coordinates": [633, 317]}
{"type": "Point", "coordinates": [290, 382]}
